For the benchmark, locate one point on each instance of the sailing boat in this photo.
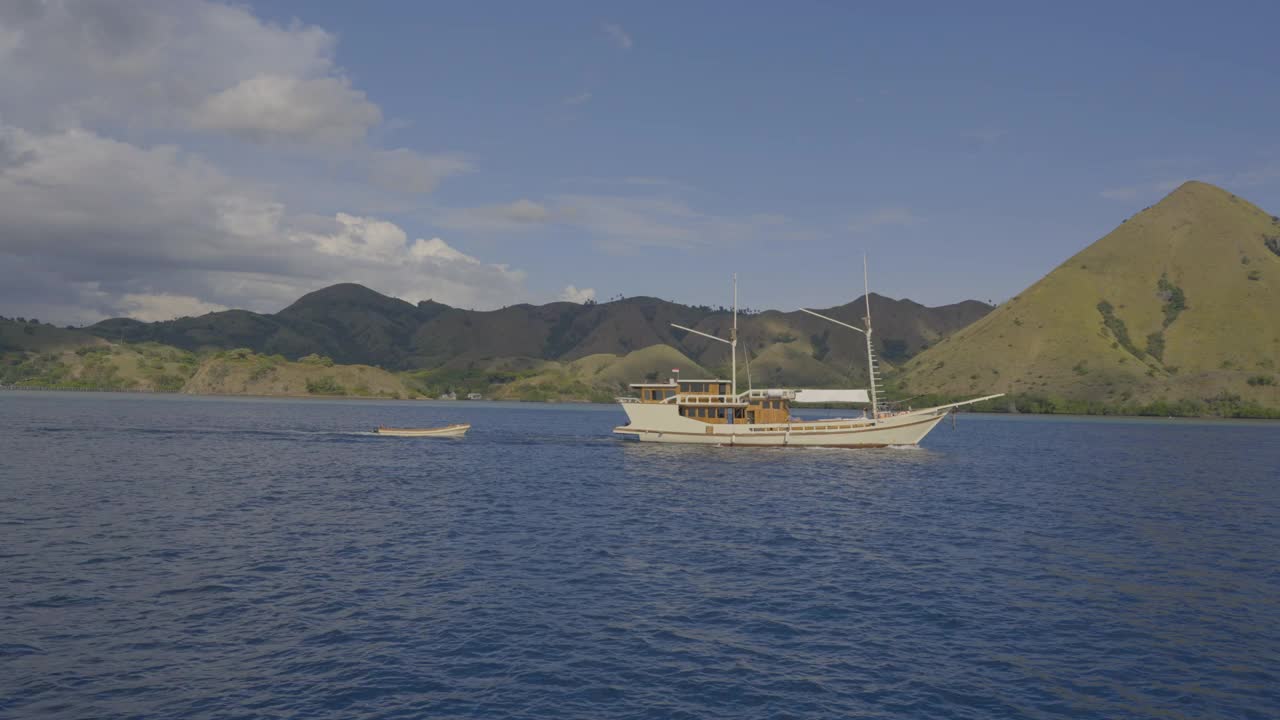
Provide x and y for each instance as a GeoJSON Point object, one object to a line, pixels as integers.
{"type": "Point", "coordinates": [713, 412]}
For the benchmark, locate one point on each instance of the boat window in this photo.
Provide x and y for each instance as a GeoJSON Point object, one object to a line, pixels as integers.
{"type": "Point", "coordinates": [719, 412]}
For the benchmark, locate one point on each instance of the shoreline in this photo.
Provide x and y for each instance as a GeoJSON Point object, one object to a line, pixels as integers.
{"type": "Point", "coordinates": [984, 413]}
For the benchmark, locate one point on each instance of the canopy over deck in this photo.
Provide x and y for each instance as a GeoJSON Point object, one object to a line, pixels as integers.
{"type": "Point", "coordinates": [832, 396]}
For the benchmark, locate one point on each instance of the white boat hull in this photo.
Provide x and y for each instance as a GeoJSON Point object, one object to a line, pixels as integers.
{"type": "Point", "coordinates": [662, 423]}
{"type": "Point", "coordinates": [448, 431]}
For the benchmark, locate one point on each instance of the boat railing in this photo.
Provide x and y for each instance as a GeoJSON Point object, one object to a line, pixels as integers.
{"type": "Point", "coordinates": [705, 399]}
{"type": "Point", "coordinates": [770, 394]}
{"type": "Point", "coordinates": [627, 400]}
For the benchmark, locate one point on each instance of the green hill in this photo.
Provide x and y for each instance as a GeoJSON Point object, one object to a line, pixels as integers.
{"type": "Point", "coordinates": [45, 356]}
{"type": "Point", "coordinates": [242, 372]}
{"type": "Point", "coordinates": [1180, 304]}
{"type": "Point", "coordinates": [600, 377]}
{"type": "Point", "coordinates": [33, 336]}
{"type": "Point", "coordinates": [355, 325]}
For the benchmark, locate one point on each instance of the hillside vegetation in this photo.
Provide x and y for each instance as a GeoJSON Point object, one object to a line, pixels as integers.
{"type": "Point", "coordinates": [41, 356]}
{"type": "Point", "coordinates": [243, 372]}
{"type": "Point", "coordinates": [1178, 308]}
{"type": "Point", "coordinates": [595, 378]}
{"type": "Point", "coordinates": [355, 325]}
{"type": "Point", "coordinates": [44, 356]}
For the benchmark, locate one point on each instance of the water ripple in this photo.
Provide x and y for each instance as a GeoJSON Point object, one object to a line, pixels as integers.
{"type": "Point", "coordinates": [198, 558]}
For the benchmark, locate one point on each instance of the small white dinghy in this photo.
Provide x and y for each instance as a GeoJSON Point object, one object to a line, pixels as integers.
{"type": "Point", "coordinates": [456, 430]}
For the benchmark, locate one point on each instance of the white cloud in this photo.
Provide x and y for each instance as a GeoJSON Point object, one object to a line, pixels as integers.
{"type": "Point", "coordinates": [121, 229]}
{"type": "Point", "coordinates": [621, 223]}
{"type": "Point", "coordinates": [883, 217]}
{"type": "Point", "coordinates": [519, 215]}
{"type": "Point", "coordinates": [618, 35]}
{"type": "Point", "coordinates": [578, 99]}
{"type": "Point", "coordinates": [93, 226]}
{"type": "Point", "coordinates": [151, 64]}
{"type": "Point", "coordinates": [404, 170]}
{"type": "Point", "coordinates": [164, 306]}
{"type": "Point", "coordinates": [575, 295]}
{"type": "Point", "coordinates": [275, 108]}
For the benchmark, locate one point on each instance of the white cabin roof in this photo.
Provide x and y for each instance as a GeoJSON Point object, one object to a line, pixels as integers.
{"type": "Point", "coordinates": [826, 396]}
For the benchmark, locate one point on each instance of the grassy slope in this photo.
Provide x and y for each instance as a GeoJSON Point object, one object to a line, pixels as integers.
{"type": "Point", "coordinates": [52, 357]}
{"type": "Point", "coordinates": [240, 372]}
{"type": "Point", "coordinates": [46, 356]}
{"type": "Point", "coordinates": [598, 377]}
{"type": "Point", "coordinates": [1053, 340]}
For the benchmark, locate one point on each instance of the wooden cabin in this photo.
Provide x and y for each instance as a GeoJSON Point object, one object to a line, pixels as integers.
{"type": "Point", "coordinates": [710, 401]}
{"type": "Point", "coordinates": [769, 409]}
{"type": "Point", "coordinates": [655, 392]}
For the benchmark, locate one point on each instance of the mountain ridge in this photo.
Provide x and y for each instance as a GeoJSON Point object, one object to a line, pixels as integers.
{"type": "Point", "coordinates": [353, 324]}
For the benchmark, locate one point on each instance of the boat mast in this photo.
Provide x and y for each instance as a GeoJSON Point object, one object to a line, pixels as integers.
{"type": "Point", "coordinates": [733, 342]}
{"type": "Point", "coordinates": [871, 363]}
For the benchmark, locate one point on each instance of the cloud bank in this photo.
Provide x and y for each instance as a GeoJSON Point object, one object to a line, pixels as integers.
{"type": "Point", "coordinates": [107, 208]}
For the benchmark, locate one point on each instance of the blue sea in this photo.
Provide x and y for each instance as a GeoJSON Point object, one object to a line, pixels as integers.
{"type": "Point", "coordinates": [177, 557]}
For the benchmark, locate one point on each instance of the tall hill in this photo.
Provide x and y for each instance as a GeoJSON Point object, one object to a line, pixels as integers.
{"type": "Point", "coordinates": [1180, 302]}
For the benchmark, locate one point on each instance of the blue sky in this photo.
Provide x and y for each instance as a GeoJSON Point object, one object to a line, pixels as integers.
{"type": "Point", "coordinates": [653, 149]}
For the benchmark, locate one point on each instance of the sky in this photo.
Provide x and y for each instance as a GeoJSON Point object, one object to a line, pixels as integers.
{"type": "Point", "coordinates": [162, 158]}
